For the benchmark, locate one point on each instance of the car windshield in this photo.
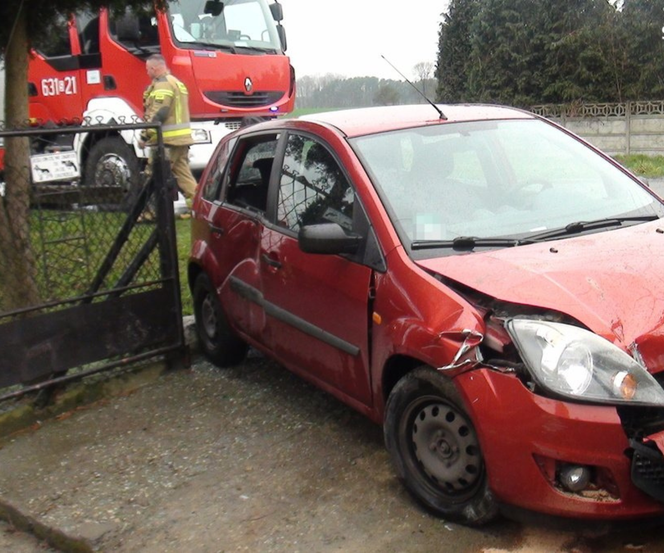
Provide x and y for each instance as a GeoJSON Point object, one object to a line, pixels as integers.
{"type": "Point", "coordinates": [242, 26]}
{"type": "Point", "coordinates": [497, 179]}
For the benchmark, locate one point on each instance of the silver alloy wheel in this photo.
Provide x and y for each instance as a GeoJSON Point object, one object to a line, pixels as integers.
{"type": "Point", "coordinates": [446, 447]}
{"type": "Point", "coordinates": [113, 171]}
{"type": "Point", "coordinates": [209, 317]}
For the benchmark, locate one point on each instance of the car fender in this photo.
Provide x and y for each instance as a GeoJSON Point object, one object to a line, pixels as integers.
{"type": "Point", "coordinates": [202, 259]}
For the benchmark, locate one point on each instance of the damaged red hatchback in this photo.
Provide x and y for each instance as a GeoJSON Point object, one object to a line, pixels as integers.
{"type": "Point", "coordinates": [479, 281]}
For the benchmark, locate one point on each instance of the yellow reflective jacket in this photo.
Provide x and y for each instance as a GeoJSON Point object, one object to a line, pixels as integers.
{"type": "Point", "coordinates": [167, 100]}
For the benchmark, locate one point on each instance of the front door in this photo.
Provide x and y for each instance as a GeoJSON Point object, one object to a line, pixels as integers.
{"type": "Point", "coordinates": [316, 305]}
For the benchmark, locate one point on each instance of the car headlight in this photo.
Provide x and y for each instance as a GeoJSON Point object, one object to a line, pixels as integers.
{"type": "Point", "coordinates": [201, 136]}
{"type": "Point", "coordinates": [579, 364]}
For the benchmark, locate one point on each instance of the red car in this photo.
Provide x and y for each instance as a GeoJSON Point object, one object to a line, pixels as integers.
{"type": "Point", "coordinates": [481, 282]}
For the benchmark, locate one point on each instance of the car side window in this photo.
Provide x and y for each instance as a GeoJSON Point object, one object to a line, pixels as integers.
{"type": "Point", "coordinates": [250, 172]}
{"type": "Point", "coordinates": [312, 188]}
{"type": "Point", "coordinates": [214, 179]}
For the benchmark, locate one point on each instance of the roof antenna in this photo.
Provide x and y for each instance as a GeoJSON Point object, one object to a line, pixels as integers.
{"type": "Point", "coordinates": [434, 106]}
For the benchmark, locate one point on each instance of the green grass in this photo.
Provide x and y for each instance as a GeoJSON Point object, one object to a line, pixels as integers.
{"type": "Point", "coordinates": [70, 246]}
{"type": "Point", "coordinates": [642, 165]}
{"type": "Point", "coordinates": [183, 238]}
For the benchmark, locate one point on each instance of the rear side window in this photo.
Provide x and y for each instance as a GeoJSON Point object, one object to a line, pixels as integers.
{"type": "Point", "coordinates": [213, 181]}
{"type": "Point", "coordinates": [312, 188]}
{"type": "Point", "coordinates": [250, 172]}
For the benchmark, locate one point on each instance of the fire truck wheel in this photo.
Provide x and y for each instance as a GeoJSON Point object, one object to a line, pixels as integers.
{"type": "Point", "coordinates": [112, 172]}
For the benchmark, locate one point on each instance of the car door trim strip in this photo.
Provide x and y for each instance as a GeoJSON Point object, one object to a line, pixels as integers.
{"type": "Point", "coordinates": [253, 295]}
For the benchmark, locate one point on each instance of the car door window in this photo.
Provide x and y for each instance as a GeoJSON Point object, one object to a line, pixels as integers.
{"type": "Point", "coordinates": [250, 172]}
{"type": "Point", "coordinates": [213, 180]}
{"type": "Point", "coordinates": [312, 188]}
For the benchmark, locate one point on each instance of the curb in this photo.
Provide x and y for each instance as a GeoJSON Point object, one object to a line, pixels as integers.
{"type": "Point", "coordinates": [54, 537]}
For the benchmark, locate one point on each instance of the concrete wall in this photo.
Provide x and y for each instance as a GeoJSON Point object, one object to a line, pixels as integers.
{"type": "Point", "coordinates": [625, 128]}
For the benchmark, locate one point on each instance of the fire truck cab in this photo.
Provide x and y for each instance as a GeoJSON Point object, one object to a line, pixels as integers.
{"type": "Point", "coordinates": [229, 54]}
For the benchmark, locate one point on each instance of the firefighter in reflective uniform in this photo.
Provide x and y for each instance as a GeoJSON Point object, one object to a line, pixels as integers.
{"type": "Point", "coordinates": [166, 100]}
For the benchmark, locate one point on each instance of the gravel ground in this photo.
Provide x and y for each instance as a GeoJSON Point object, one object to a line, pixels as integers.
{"type": "Point", "coordinates": [245, 459]}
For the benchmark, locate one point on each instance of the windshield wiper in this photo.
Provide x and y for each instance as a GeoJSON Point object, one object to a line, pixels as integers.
{"type": "Point", "coordinates": [211, 46]}
{"type": "Point", "coordinates": [581, 226]}
{"type": "Point", "coordinates": [465, 243]}
{"type": "Point", "coordinates": [256, 49]}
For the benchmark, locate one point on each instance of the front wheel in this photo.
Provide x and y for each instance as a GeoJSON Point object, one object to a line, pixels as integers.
{"type": "Point", "coordinates": [217, 340]}
{"type": "Point", "coordinates": [111, 173]}
{"type": "Point", "coordinates": [435, 449]}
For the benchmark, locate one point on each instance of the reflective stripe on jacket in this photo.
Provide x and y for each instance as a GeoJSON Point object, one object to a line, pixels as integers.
{"type": "Point", "coordinates": [167, 100]}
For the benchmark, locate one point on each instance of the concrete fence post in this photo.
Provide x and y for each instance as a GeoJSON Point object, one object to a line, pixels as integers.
{"type": "Point", "coordinates": [628, 128]}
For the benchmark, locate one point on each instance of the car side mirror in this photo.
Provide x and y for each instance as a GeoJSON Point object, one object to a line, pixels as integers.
{"type": "Point", "coordinates": [327, 238]}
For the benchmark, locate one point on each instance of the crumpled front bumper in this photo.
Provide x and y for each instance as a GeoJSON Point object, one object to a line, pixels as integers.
{"type": "Point", "coordinates": [648, 468]}
{"type": "Point", "coordinates": [526, 438]}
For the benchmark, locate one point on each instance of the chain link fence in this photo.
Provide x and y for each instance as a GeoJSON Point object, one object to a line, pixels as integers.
{"type": "Point", "coordinates": [88, 264]}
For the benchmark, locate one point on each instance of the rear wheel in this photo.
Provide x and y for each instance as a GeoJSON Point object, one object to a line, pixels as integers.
{"type": "Point", "coordinates": [435, 449]}
{"type": "Point", "coordinates": [111, 173]}
{"type": "Point", "coordinates": [217, 340]}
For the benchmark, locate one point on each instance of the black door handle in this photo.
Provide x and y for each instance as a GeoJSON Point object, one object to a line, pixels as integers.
{"type": "Point", "coordinates": [271, 261]}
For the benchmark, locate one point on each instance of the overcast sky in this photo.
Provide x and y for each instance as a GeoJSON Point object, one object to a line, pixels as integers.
{"type": "Point", "coordinates": [347, 37]}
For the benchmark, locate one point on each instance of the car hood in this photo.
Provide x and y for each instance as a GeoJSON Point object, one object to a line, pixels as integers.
{"type": "Point", "coordinates": [613, 282]}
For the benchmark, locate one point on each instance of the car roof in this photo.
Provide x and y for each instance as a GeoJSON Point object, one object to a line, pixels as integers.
{"type": "Point", "coordinates": [362, 121]}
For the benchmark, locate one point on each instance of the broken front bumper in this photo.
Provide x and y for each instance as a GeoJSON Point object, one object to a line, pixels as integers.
{"type": "Point", "coordinates": [528, 441]}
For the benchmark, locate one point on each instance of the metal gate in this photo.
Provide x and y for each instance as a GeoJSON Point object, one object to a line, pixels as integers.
{"type": "Point", "coordinates": [88, 270]}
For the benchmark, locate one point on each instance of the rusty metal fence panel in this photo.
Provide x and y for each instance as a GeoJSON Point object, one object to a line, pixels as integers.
{"type": "Point", "coordinates": [88, 271]}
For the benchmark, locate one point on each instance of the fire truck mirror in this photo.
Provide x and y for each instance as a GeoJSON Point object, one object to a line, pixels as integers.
{"type": "Point", "coordinates": [277, 12]}
{"type": "Point", "coordinates": [214, 7]}
{"type": "Point", "coordinates": [282, 37]}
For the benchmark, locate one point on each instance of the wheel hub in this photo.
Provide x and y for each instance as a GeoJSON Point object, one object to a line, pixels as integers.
{"type": "Point", "coordinates": [208, 317]}
{"type": "Point", "coordinates": [112, 171]}
{"type": "Point", "coordinates": [441, 446]}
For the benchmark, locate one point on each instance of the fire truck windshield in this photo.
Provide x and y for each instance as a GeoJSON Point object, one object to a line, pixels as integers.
{"type": "Point", "coordinates": [242, 26]}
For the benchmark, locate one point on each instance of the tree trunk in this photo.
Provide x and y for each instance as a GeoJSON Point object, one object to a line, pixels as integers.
{"type": "Point", "coordinates": [18, 282]}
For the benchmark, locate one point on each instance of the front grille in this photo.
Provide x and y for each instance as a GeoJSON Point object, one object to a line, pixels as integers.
{"type": "Point", "coordinates": [648, 470]}
{"type": "Point", "coordinates": [241, 100]}
{"type": "Point", "coordinates": [639, 422]}
{"type": "Point", "coordinates": [233, 125]}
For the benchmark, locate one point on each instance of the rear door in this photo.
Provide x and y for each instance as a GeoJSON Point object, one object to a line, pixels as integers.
{"type": "Point", "coordinates": [234, 215]}
{"type": "Point", "coordinates": [316, 305]}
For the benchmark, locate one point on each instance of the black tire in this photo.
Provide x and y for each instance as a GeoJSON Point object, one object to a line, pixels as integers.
{"type": "Point", "coordinates": [217, 340]}
{"type": "Point", "coordinates": [435, 450]}
{"type": "Point", "coordinates": [112, 173]}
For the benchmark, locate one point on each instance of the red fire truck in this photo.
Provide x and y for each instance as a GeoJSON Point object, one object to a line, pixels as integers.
{"type": "Point", "coordinates": [229, 54]}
